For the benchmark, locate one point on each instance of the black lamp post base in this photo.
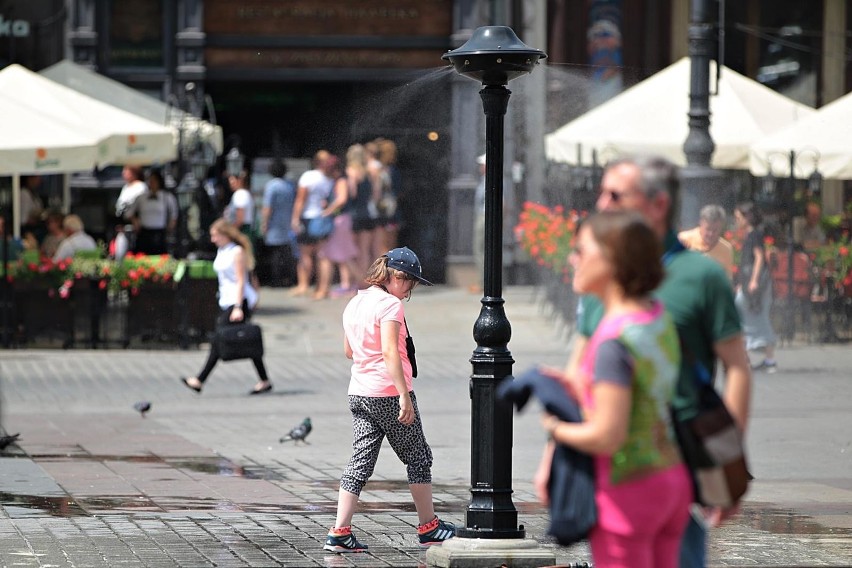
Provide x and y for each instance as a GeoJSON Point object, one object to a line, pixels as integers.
{"type": "Point", "coordinates": [468, 532]}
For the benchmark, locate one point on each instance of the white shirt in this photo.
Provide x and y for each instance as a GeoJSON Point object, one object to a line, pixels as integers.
{"type": "Point", "coordinates": [155, 210]}
{"type": "Point", "coordinates": [241, 199]}
{"type": "Point", "coordinates": [319, 188]}
{"type": "Point", "coordinates": [128, 196]}
{"type": "Point", "coordinates": [223, 264]}
{"type": "Point", "coordinates": [72, 243]}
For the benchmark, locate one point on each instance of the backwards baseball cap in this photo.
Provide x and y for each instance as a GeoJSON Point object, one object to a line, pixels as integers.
{"type": "Point", "coordinates": [404, 260]}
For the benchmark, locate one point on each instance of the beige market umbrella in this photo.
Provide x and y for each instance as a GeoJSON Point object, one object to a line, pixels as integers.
{"type": "Point", "coordinates": [123, 138]}
{"type": "Point", "coordinates": [131, 100]}
{"type": "Point", "coordinates": [33, 143]}
{"type": "Point", "coordinates": [819, 141]}
{"type": "Point", "coordinates": [651, 117]}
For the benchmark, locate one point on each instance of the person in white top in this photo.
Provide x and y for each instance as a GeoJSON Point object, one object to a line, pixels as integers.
{"type": "Point", "coordinates": [312, 197]}
{"type": "Point", "coordinates": [237, 297]}
{"type": "Point", "coordinates": [76, 240]}
{"type": "Point", "coordinates": [154, 216]}
{"type": "Point", "coordinates": [133, 188]}
{"type": "Point", "coordinates": [240, 211]}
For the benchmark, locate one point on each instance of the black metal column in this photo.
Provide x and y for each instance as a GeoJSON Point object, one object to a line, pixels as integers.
{"type": "Point", "coordinates": [491, 513]}
{"type": "Point", "coordinates": [789, 201]}
{"type": "Point", "coordinates": [699, 179]}
{"type": "Point", "coordinates": [699, 145]}
{"type": "Point", "coordinates": [494, 56]}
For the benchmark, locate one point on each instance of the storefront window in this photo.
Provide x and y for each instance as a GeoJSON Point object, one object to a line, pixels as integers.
{"type": "Point", "coordinates": [136, 33]}
{"type": "Point", "coordinates": [790, 33]}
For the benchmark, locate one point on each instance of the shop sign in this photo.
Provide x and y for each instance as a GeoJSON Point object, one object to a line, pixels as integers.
{"type": "Point", "coordinates": [380, 18]}
{"type": "Point", "coordinates": [321, 58]}
{"type": "Point", "coordinates": [134, 146]}
{"type": "Point", "coordinates": [14, 28]}
{"type": "Point", "coordinates": [42, 160]}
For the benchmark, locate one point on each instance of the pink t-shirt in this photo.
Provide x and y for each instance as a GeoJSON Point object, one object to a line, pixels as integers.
{"type": "Point", "coordinates": [362, 324]}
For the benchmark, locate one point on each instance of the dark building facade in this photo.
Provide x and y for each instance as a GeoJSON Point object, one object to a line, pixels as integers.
{"type": "Point", "coordinates": [32, 33]}
{"type": "Point", "coordinates": [288, 77]}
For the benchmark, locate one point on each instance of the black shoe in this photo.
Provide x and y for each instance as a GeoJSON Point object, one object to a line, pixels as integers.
{"type": "Point", "coordinates": [185, 381]}
{"type": "Point", "coordinates": [266, 388]}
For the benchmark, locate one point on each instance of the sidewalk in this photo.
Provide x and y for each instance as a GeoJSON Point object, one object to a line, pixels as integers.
{"type": "Point", "coordinates": [203, 481]}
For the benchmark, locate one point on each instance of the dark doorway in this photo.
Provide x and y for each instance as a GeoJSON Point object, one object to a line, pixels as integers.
{"type": "Point", "coordinates": [294, 120]}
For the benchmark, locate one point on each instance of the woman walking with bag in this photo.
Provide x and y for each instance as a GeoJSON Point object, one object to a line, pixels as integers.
{"type": "Point", "coordinates": [234, 260]}
{"type": "Point", "coordinates": [381, 398]}
{"type": "Point", "coordinates": [626, 384]}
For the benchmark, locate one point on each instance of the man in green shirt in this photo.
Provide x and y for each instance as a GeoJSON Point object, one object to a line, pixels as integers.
{"type": "Point", "coordinates": [697, 294]}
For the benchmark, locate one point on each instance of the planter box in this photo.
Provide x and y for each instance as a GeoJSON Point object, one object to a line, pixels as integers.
{"type": "Point", "coordinates": [152, 313]}
{"type": "Point", "coordinates": [40, 311]}
{"type": "Point", "coordinates": [89, 304]}
{"type": "Point", "coordinates": [198, 309]}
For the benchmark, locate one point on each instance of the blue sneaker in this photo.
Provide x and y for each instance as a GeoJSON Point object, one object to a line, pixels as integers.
{"type": "Point", "coordinates": [343, 543]}
{"type": "Point", "coordinates": [435, 532]}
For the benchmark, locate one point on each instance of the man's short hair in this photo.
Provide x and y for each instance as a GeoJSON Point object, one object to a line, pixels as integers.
{"type": "Point", "coordinates": [72, 223]}
{"type": "Point", "coordinates": [713, 214]}
{"type": "Point", "coordinates": [277, 168]}
{"type": "Point", "coordinates": [656, 175]}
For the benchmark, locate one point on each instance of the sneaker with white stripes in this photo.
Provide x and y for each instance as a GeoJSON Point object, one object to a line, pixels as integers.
{"type": "Point", "coordinates": [435, 531]}
{"type": "Point", "coordinates": [344, 541]}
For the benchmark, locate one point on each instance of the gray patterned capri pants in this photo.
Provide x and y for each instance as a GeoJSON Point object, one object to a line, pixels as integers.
{"type": "Point", "coordinates": [373, 419]}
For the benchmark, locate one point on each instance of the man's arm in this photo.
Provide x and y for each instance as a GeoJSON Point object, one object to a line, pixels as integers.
{"type": "Point", "coordinates": [264, 219]}
{"type": "Point", "coordinates": [737, 394]}
{"type": "Point", "coordinates": [298, 206]}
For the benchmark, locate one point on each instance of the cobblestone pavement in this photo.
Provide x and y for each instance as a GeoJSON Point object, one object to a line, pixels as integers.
{"type": "Point", "coordinates": [203, 481]}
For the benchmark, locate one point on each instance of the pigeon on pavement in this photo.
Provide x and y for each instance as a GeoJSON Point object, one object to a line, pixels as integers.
{"type": "Point", "coordinates": [142, 407]}
{"type": "Point", "coordinates": [8, 440]}
{"type": "Point", "coordinates": [299, 433]}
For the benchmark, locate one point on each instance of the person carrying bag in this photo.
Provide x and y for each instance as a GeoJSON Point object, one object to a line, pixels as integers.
{"type": "Point", "coordinates": [242, 340]}
{"type": "Point", "coordinates": [236, 338]}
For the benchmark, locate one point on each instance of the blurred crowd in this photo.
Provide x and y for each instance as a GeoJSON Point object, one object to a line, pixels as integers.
{"type": "Point", "coordinates": [332, 221]}
{"type": "Point", "coordinates": [316, 232]}
{"type": "Point", "coordinates": [50, 232]}
{"type": "Point", "coordinates": [767, 270]}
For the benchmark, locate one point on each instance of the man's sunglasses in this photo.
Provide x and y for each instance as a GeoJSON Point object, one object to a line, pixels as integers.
{"type": "Point", "coordinates": [614, 196]}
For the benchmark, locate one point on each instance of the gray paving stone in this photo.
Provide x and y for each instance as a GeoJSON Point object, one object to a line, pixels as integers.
{"type": "Point", "coordinates": [203, 481]}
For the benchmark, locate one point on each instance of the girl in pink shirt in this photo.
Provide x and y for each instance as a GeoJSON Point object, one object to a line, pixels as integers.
{"type": "Point", "coordinates": [382, 400]}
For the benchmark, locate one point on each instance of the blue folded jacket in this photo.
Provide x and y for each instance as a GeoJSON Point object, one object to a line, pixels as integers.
{"type": "Point", "coordinates": [572, 478]}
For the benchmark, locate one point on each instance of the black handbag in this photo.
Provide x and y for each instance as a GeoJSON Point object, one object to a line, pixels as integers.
{"type": "Point", "coordinates": [711, 445]}
{"type": "Point", "coordinates": [409, 349]}
{"type": "Point", "coordinates": [242, 340]}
